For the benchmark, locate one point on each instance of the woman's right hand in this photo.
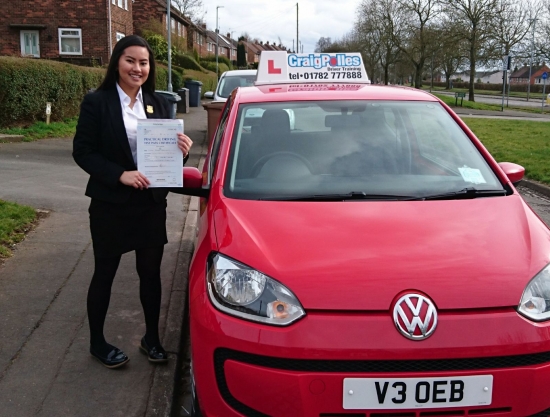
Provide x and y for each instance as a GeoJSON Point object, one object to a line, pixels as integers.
{"type": "Point", "coordinates": [134, 179]}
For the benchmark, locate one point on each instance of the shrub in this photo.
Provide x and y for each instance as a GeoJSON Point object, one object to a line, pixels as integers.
{"type": "Point", "coordinates": [185, 61]}
{"type": "Point", "coordinates": [221, 59]}
{"type": "Point", "coordinates": [27, 84]}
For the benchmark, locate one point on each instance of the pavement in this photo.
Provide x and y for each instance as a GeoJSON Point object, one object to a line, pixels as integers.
{"type": "Point", "coordinates": [506, 114]}
{"type": "Point", "coordinates": [45, 366]}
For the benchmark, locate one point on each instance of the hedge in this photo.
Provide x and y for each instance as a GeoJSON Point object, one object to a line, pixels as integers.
{"type": "Point", "coordinates": [211, 66]}
{"type": "Point", "coordinates": [221, 58]}
{"type": "Point", "coordinates": [185, 61]}
{"type": "Point", "coordinates": [26, 85]}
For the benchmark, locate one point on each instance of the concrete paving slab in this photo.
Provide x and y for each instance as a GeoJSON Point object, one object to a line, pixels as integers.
{"type": "Point", "coordinates": [45, 366]}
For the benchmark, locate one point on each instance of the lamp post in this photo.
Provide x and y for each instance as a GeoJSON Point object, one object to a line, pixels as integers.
{"type": "Point", "coordinates": [169, 32]}
{"type": "Point", "coordinates": [534, 21]}
{"type": "Point", "coordinates": [217, 42]}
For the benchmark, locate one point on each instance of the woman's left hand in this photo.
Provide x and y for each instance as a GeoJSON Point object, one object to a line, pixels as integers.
{"type": "Point", "coordinates": [184, 143]}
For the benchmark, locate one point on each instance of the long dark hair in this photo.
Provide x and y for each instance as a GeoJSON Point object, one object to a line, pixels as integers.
{"type": "Point", "coordinates": [111, 78]}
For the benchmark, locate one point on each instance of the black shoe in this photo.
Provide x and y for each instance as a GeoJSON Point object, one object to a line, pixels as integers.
{"type": "Point", "coordinates": [114, 359]}
{"type": "Point", "coordinates": [155, 354]}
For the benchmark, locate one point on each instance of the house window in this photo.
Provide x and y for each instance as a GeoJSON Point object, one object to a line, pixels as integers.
{"type": "Point", "coordinates": [70, 41]}
{"type": "Point", "coordinates": [119, 36]}
{"type": "Point", "coordinates": [29, 43]}
{"type": "Point", "coordinates": [173, 24]}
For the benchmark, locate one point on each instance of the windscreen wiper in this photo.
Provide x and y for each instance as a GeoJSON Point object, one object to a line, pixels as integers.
{"type": "Point", "coordinates": [465, 193]}
{"type": "Point", "coordinates": [354, 195]}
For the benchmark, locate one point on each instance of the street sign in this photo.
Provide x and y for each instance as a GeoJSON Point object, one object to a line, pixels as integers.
{"type": "Point", "coordinates": [506, 62]}
{"type": "Point", "coordinates": [544, 75]}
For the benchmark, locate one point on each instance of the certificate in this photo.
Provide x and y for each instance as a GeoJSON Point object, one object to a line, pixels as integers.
{"type": "Point", "coordinates": [158, 155]}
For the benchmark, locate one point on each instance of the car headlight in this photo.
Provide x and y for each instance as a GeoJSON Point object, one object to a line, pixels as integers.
{"type": "Point", "coordinates": [241, 291]}
{"type": "Point", "coordinates": [535, 301]}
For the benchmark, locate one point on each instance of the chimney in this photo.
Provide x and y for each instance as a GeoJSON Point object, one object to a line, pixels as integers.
{"type": "Point", "coordinates": [229, 35]}
{"type": "Point", "coordinates": [203, 25]}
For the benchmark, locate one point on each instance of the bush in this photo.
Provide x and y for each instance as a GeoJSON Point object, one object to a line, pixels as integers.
{"type": "Point", "coordinates": [211, 66]}
{"type": "Point", "coordinates": [185, 61]}
{"type": "Point", "coordinates": [208, 79]}
{"type": "Point", "coordinates": [27, 84]}
{"type": "Point", "coordinates": [221, 59]}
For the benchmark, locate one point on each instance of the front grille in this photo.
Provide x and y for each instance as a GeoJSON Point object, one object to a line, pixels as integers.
{"type": "Point", "coordinates": [387, 366]}
{"type": "Point", "coordinates": [373, 366]}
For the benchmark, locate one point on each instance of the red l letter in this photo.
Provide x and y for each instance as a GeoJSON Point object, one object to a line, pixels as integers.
{"type": "Point", "coordinates": [271, 67]}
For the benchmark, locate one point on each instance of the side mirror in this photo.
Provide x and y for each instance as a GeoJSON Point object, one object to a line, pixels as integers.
{"type": "Point", "coordinates": [209, 95]}
{"type": "Point", "coordinates": [514, 172]}
{"type": "Point", "coordinates": [192, 183]}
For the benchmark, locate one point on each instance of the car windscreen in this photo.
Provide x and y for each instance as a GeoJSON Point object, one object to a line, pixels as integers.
{"type": "Point", "coordinates": [378, 149]}
{"type": "Point", "coordinates": [230, 82]}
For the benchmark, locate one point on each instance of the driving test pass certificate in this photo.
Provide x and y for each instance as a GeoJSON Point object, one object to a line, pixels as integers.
{"type": "Point", "coordinates": [158, 155]}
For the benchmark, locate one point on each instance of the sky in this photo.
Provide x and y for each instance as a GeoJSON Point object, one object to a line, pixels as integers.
{"type": "Point", "coordinates": [271, 20]}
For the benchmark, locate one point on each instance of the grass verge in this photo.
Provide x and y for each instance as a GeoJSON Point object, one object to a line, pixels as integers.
{"type": "Point", "coordinates": [15, 221]}
{"type": "Point", "coordinates": [519, 141]}
{"type": "Point", "coordinates": [41, 130]}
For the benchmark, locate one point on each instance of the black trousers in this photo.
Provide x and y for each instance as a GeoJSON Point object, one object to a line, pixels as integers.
{"type": "Point", "coordinates": [148, 261]}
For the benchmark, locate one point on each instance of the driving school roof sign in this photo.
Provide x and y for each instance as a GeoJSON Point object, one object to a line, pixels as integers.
{"type": "Point", "coordinates": [281, 67]}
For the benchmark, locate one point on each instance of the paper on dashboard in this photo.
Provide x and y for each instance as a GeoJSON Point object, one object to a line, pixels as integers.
{"type": "Point", "coordinates": [158, 155]}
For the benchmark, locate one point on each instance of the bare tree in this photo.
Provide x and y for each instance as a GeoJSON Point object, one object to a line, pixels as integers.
{"type": "Point", "coordinates": [377, 22]}
{"type": "Point", "coordinates": [476, 16]}
{"type": "Point", "coordinates": [193, 9]}
{"type": "Point", "coordinates": [454, 50]}
{"type": "Point", "coordinates": [415, 38]}
{"type": "Point", "coordinates": [542, 47]}
{"type": "Point", "coordinates": [323, 44]}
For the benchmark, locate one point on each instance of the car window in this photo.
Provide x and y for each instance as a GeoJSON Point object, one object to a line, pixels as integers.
{"type": "Point", "coordinates": [218, 139]}
{"type": "Point", "coordinates": [330, 147]}
{"type": "Point", "coordinates": [229, 83]}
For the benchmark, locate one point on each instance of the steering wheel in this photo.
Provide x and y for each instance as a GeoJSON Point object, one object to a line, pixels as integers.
{"type": "Point", "coordinates": [256, 168]}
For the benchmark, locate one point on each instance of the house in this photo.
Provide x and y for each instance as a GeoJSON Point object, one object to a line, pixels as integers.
{"type": "Point", "coordinates": [489, 77]}
{"type": "Point", "coordinates": [521, 76]}
{"type": "Point", "coordinates": [223, 44]}
{"type": "Point", "coordinates": [232, 53]}
{"type": "Point", "coordinates": [80, 32]}
{"type": "Point", "coordinates": [252, 52]}
{"type": "Point", "coordinates": [147, 11]}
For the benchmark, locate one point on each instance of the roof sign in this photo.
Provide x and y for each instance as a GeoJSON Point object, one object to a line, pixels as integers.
{"type": "Point", "coordinates": [280, 67]}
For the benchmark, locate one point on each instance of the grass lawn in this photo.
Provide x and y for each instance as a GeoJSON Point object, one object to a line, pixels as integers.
{"type": "Point", "coordinates": [526, 143]}
{"type": "Point", "coordinates": [15, 221]}
{"type": "Point", "coordinates": [450, 101]}
{"type": "Point", "coordinates": [41, 130]}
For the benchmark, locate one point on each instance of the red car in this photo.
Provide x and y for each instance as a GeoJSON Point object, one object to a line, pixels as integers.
{"type": "Point", "coordinates": [373, 261]}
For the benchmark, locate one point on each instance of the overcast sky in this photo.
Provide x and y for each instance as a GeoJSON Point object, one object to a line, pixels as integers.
{"type": "Point", "coordinates": [271, 20]}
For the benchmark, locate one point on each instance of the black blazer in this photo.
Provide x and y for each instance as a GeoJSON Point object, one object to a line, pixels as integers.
{"type": "Point", "coordinates": [101, 147]}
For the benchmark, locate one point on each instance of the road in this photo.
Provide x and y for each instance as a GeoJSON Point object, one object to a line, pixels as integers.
{"type": "Point", "coordinates": [497, 100]}
{"type": "Point", "coordinates": [43, 175]}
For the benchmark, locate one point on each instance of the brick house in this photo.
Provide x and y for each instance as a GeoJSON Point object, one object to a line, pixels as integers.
{"type": "Point", "coordinates": [521, 76]}
{"type": "Point", "coordinates": [146, 11]}
{"type": "Point", "coordinates": [76, 31]}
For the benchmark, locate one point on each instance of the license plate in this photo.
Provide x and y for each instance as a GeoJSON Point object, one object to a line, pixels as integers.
{"type": "Point", "coordinates": [402, 393]}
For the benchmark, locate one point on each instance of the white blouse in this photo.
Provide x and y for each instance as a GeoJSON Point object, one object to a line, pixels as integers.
{"type": "Point", "coordinates": [131, 116]}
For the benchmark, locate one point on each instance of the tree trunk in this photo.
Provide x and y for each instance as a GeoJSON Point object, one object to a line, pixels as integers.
{"type": "Point", "coordinates": [386, 74]}
{"type": "Point", "coordinates": [472, 70]}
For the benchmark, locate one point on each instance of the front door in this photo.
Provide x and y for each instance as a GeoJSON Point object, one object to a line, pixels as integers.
{"type": "Point", "coordinates": [29, 43]}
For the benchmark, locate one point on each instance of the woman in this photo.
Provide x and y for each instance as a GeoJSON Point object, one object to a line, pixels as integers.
{"type": "Point", "coordinates": [125, 215]}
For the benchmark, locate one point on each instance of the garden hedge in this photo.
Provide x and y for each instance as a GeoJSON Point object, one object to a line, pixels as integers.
{"type": "Point", "coordinates": [26, 85]}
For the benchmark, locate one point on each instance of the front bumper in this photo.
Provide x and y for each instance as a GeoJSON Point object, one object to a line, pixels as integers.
{"type": "Point", "coordinates": [246, 369]}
